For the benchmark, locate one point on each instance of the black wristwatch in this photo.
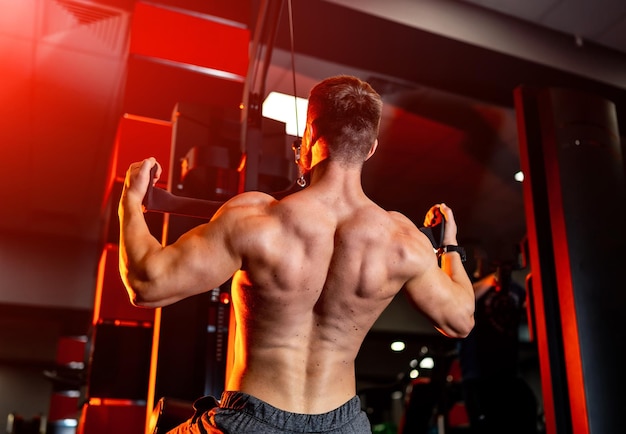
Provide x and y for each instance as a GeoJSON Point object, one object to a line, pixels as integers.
{"type": "Point", "coordinates": [446, 249]}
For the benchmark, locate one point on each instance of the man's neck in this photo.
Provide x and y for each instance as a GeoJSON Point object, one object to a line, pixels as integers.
{"type": "Point", "coordinates": [334, 176]}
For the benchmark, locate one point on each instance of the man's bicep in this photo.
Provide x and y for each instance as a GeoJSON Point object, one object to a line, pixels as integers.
{"type": "Point", "coordinates": [430, 292]}
{"type": "Point", "coordinates": [197, 262]}
{"type": "Point", "coordinates": [204, 258]}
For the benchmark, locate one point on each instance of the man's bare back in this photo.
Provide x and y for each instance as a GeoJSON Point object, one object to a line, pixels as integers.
{"type": "Point", "coordinates": [311, 274]}
{"type": "Point", "coordinates": [334, 265]}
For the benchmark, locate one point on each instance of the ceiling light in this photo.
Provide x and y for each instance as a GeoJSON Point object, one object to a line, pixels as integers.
{"type": "Point", "coordinates": [414, 373]}
{"type": "Point", "coordinates": [427, 363]}
{"type": "Point", "coordinates": [519, 176]}
{"type": "Point", "coordinates": [288, 109]}
{"type": "Point", "coordinates": [397, 346]}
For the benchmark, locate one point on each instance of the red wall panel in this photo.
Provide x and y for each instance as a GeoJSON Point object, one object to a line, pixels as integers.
{"type": "Point", "coordinates": [112, 303]}
{"type": "Point", "coordinates": [139, 138]}
{"type": "Point", "coordinates": [189, 38]}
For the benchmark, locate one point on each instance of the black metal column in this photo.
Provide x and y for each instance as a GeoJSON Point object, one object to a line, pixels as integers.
{"type": "Point", "coordinates": [575, 199]}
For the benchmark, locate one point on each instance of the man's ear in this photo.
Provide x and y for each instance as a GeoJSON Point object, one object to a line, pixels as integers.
{"type": "Point", "coordinates": [313, 137]}
{"type": "Point", "coordinates": [372, 150]}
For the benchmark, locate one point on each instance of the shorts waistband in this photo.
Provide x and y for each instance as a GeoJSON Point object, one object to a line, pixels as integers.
{"type": "Point", "coordinates": [291, 421]}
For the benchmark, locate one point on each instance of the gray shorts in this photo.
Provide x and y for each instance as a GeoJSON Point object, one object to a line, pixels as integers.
{"type": "Point", "coordinates": [242, 413]}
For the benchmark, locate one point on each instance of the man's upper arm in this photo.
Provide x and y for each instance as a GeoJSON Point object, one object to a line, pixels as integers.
{"type": "Point", "coordinates": [201, 259]}
{"type": "Point", "coordinates": [446, 302]}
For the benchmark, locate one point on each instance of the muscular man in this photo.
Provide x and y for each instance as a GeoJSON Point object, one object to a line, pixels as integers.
{"type": "Point", "coordinates": [311, 274]}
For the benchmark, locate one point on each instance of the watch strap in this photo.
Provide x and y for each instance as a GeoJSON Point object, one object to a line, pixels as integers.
{"type": "Point", "coordinates": [451, 248]}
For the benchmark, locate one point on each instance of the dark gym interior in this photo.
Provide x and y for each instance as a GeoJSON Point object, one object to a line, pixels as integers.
{"type": "Point", "coordinates": [89, 86]}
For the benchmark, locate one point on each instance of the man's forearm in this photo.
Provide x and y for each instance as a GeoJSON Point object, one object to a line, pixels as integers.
{"type": "Point", "coordinates": [136, 245]}
{"type": "Point", "coordinates": [452, 265]}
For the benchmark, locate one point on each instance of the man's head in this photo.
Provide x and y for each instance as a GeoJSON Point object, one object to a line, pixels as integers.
{"type": "Point", "coordinates": [343, 118]}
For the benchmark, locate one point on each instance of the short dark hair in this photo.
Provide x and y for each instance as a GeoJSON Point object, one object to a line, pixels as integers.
{"type": "Point", "coordinates": [346, 113]}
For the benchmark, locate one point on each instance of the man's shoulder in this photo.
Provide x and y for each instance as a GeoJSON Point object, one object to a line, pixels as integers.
{"type": "Point", "coordinates": [244, 205]}
{"type": "Point", "coordinates": [250, 199]}
{"type": "Point", "coordinates": [402, 221]}
{"type": "Point", "coordinates": [398, 216]}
